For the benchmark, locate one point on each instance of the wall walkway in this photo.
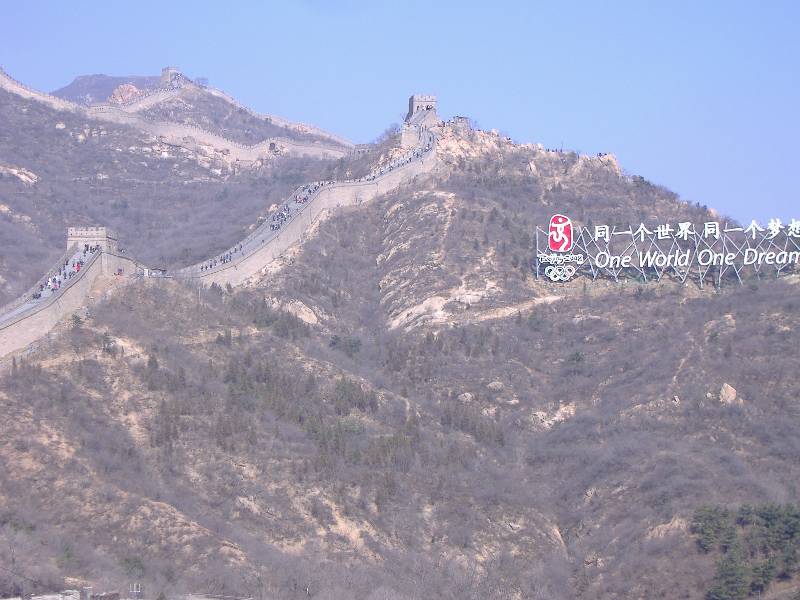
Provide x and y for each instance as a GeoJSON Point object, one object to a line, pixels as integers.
{"type": "Point", "coordinates": [35, 322]}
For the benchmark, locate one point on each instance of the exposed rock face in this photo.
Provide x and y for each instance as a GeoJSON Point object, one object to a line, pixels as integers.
{"type": "Point", "coordinates": [24, 175]}
{"type": "Point", "coordinates": [727, 394]}
{"type": "Point", "coordinates": [496, 386]}
{"type": "Point", "coordinates": [124, 93]}
{"type": "Point", "coordinates": [675, 526]}
{"type": "Point", "coordinates": [547, 420]}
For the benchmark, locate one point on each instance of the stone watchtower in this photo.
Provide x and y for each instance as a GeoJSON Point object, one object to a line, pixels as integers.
{"type": "Point", "coordinates": [168, 74]}
{"type": "Point", "coordinates": [93, 236]}
{"type": "Point", "coordinates": [420, 102]}
{"type": "Point", "coordinates": [421, 114]}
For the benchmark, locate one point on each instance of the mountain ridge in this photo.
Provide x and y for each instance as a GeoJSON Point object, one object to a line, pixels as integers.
{"type": "Point", "coordinates": [396, 408]}
{"type": "Point", "coordinates": [177, 132]}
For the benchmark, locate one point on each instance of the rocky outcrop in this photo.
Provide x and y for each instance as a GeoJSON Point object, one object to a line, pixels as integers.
{"type": "Point", "coordinates": [727, 395]}
{"type": "Point", "coordinates": [127, 92]}
{"type": "Point", "coordinates": [24, 175]}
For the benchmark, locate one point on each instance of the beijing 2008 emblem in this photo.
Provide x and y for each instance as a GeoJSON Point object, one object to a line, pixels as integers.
{"type": "Point", "coordinates": [560, 240]}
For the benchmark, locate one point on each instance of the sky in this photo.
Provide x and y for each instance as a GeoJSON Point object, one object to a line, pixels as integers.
{"type": "Point", "coordinates": [701, 97]}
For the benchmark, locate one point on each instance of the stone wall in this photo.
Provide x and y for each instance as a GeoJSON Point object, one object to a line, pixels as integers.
{"type": "Point", "coordinates": [148, 99]}
{"type": "Point", "coordinates": [281, 122]}
{"type": "Point", "coordinates": [328, 198]}
{"type": "Point", "coordinates": [36, 323]}
{"type": "Point", "coordinates": [20, 89]}
{"type": "Point", "coordinates": [167, 74]}
{"type": "Point", "coordinates": [42, 318]}
{"type": "Point", "coordinates": [180, 134]}
{"type": "Point", "coordinates": [153, 97]}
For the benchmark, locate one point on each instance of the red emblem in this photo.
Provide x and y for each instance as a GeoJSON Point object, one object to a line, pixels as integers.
{"type": "Point", "coordinates": [559, 238]}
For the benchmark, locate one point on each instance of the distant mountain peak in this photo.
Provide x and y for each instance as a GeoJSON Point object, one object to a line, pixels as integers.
{"type": "Point", "coordinates": [90, 89]}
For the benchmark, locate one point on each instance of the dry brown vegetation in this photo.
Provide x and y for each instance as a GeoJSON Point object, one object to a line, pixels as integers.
{"type": "Point", "coordinates": [401, 411]}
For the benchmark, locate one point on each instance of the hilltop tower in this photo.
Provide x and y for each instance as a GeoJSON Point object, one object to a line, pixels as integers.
{"type": "Point", "coordinates": [168, 75]}
{"type": "Point", "coordinates": [94, 236]}
{"type": "Point", "coordinates": [421, 114]}
{"type": "Point", "coordinates": [420, 102]}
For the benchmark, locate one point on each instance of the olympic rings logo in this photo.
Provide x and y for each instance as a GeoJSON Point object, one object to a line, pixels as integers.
{"type": "Point", "coordinates": [559, 272]}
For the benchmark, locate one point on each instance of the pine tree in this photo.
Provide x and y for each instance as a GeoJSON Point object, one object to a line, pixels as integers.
{"type": "Point", "coordinates": [729, 541]}
{"type": "Point", "coordinates": [763, 574]}
{"type": "Point", "coordinates": [731, 581]}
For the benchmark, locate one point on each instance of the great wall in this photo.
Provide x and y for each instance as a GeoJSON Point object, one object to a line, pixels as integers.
{"type": "Point", "coordinates": [169, 90]}
{"type": "Point", "coordinates": [181, 134]}
{"type": "Point", "coordinates": [27, 319]}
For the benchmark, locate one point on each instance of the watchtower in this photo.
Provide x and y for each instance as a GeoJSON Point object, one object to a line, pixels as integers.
{"type": "Point", "coordinates": [420, 102]}
{"type": "Point", "coordinates": [93, 236]}
{"type": "Point", "coordinates": [168, 74]}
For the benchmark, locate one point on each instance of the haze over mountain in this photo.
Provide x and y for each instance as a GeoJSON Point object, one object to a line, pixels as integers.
{"type": "Point", "coordinates": [395, 407]}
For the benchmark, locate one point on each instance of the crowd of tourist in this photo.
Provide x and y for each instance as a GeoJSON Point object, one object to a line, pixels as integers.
{"type": "Point", "coordinates": [222, 258]}
{"type": "Point", "coordinates": [69, 269]}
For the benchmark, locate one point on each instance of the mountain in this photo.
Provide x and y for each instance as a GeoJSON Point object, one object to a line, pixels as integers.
{"type": "Point", "coordinates": [89, 89]}
{"type": "Point", "coordinates": [397, 408]}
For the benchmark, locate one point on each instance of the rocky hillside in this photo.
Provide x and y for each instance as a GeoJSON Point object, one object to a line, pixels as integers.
{"type": "Point", "coordinates": [399, 410]}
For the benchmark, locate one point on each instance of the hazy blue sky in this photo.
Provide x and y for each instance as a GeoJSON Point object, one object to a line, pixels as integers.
{"type": "Point", "coordinates": [700, 97]}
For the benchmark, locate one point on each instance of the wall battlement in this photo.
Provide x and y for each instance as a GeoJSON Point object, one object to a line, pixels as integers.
{"type": "Point", "coordinates": [420, 102]}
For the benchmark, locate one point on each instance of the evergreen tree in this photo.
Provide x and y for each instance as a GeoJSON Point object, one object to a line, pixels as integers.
{"type": "Point", "coordinates": [762, 575]}
{"type": "Point", "coordinates": [731, 581]}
